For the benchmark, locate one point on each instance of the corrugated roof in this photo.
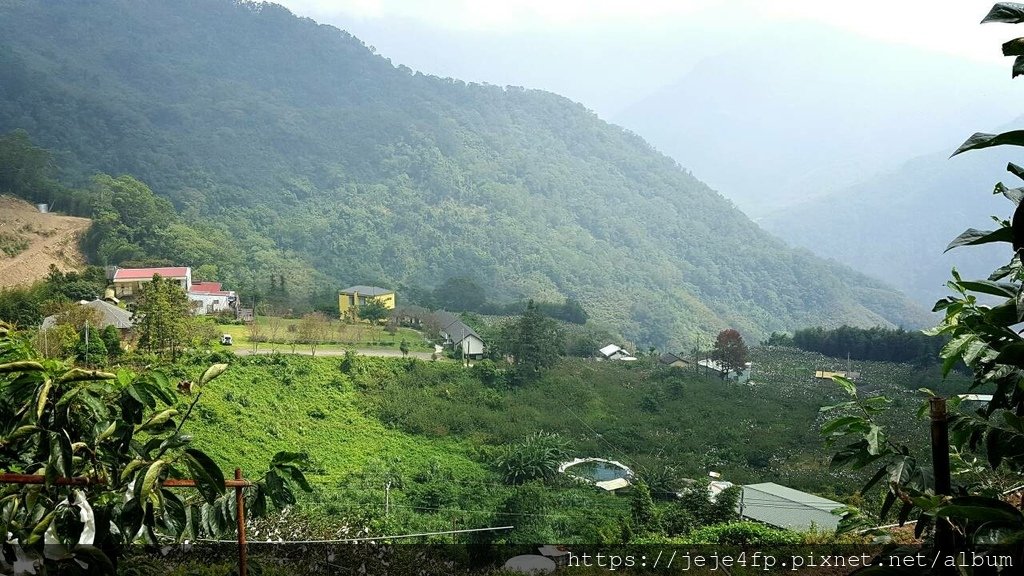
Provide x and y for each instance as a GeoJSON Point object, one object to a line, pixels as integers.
{"type": "Point", "coordinates": [788, 508]}
{"type": "Point", "coordinates": [110, 315]}
{"type": "Point", "coordinates": [124, 274]}
{"type": "Point", "coordinates": [371, 291]}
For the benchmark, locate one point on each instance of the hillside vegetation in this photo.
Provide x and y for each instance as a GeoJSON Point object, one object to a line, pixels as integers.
{"type": "Point", "coordinates": [433, 428]}
{"type": "Point", "coordinates": [294, 150]}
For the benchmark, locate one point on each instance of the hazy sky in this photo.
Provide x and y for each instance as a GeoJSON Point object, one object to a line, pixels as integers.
{"type": "Point", "coordinates": [941, 25]}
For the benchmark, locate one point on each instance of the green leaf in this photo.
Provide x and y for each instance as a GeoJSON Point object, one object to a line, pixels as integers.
{"type": "Point", "coordinates": [848, 385]}
{"type": "Point", "coordinates": [981, 509]}
{"type": "Point", "coordinates": [79, 375]}
{"type": "Point", "coordinates": [975, 237]}
{"type": "Point", "coordinates": [44, 395]}
{"type": "Point", "coordinates": [1008, 12]}
{"type": "Point", "coordinates": [284, 457]}
{"type": "Point", "coordinates": [874, 479]}
{"type": "Point", "coordinates": [211, 373]}
{"type": "Point", "coordinates": [297, 477]}
{"type": "Point", "coordinates": [1014, 195]}
{"type": "Point", "coordinates": [1014, 47]}
{"type": "Point", "coordinates": [21, 366]}
{"type": "Point", "coordinates": [97, 561]}
{"type": "Point", "coordinates": [981, 140]}
{"type": "Point", "coordinates": [1015, 170]}
{"type": "Point", "coordinates": [158, 419]}
{"type": "Point", "coordinates": [834, 425]}
{"type": "Point", "coordinates": [847, 404]}
{"type": "Point", "coordinates": [150, 479]}
{"type": "Point", "coordinates": [207, 475]}
{"type": "Point", "coordinates": [1012, 354]}
{"type": "Point", "coordinates": [40, 529]}
{"type": "Point", "coordinates": [1003, 289]}
{"type": "Point", "coordinates": [876, 440]}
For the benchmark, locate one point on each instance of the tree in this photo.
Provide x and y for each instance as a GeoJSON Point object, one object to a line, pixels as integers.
{"type": "Point", "coordinates": [373, 311]}
{"type": "Point", "coordinates": [162, 316]}
{"type": "Point", "coordinates": [730, 350]}
{"type": "Point", "coordinates": [534, 342]}
{"type": "Point", "coordinates": [460, 294]}
{"type": "Point", "coordinates": [641, 505]}
{"type": "Point", "coordinates": [122, 434]}
{"type": "Point", "coordinates": [313, 329]}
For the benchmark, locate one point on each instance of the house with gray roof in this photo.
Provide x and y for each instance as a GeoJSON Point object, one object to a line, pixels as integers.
{"type": "Point", "coordinates": [459, 335]}
{"type": "Point", "coordinates": [109, 314]}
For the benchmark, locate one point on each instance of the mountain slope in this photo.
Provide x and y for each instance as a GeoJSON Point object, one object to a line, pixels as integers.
{"type": "Point", "coordinates": [897, 224]}
{"type": "Point", "coordinates": [330, 166]}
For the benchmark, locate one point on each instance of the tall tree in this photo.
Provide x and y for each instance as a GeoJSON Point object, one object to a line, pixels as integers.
{"type": "Point", "coordinates": [730, 350]}
{"type": "Point", "coordinates": [163, 315]}
{"type": "Point", "coordinates": [534, 342]}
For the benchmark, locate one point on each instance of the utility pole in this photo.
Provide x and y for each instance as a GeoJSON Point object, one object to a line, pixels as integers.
{"type": "Point", "coordinates": [87, 342]}
{"type": "Point", "coordinates": [387, 499]}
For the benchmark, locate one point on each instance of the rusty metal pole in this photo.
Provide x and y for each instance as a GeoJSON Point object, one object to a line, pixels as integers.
{"type": "Point", "coordinates": [940, 465]}
{"type": "Point", "coordinates": [243, 555]}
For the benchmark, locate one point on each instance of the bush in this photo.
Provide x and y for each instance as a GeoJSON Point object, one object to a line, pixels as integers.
{"type": "Point", "coordinates": [535, 458]}
{"type": "Point", "coordinates": [743, 533]}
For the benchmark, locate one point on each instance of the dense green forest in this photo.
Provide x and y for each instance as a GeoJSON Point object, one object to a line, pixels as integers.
{"type": "Point", "coordinates": [292, 150]}
{"type": "Point", "coordinates": [874, 343]}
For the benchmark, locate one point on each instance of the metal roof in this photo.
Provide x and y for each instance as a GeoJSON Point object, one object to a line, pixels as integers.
{"type": "Point", "coordinates": [122, 274]}
{"type": "Point", "coordinates": [785, 507]}
{"type": "Point", "coordinates": [371, 291]}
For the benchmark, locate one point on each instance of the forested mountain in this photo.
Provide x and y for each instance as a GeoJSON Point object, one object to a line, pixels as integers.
{"type": "Point", "coordinates": [293, 150]}
{"type": "Point", "coordinates": [897, 224]}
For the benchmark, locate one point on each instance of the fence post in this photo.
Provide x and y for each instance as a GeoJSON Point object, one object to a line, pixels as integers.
{"type": "Point", "coordinates": [940, 463]}
{"type": "Point", "coordinates": [243, 555]}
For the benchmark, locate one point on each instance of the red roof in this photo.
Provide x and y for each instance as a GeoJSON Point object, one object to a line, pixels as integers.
{"type": "Point", "coordinates": [206, 287]}
{"type": "Point", "coordinates": [147, 273]}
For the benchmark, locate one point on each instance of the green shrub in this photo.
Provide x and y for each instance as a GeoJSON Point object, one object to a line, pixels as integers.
{"type": "Point", "coordinates": [743, 533]}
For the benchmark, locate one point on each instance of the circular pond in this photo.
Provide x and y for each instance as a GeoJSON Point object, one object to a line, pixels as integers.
{"type": "Point", "coordinates": [597, 470]}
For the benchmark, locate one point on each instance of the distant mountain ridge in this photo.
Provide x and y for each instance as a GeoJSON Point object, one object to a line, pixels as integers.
{"type": "Point", "coordinates": [801, 112]}
{"type": "Point", "coordinates": [897, 224]}
{"type": "Point", "coordinates": [329, 166]}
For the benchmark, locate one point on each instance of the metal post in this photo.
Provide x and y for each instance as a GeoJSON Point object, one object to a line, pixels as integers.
{"type": "Point", "coordinates": [387, 499]}
{"type": "Point", "coordinates": [243, 555]}
{"type": "Point", "coordinates": [86, 342]}
{"type": "Point", "coordinates": [940, 463]}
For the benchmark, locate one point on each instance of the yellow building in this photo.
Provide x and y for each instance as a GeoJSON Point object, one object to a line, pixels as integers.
{"type": "Point", "coordinates": [350, 299]}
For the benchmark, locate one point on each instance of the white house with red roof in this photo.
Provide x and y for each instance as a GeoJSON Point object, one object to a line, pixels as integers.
{"type": "Point", "coordinates": [127, 282]}
{"type": "Point", "coordinates": [211, 298]}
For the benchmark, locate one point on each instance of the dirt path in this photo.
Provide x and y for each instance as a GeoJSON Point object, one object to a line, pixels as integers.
{"type": "Point", "coordinates": [51, 239]}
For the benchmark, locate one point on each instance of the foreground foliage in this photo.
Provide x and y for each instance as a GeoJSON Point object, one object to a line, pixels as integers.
{"type": "Point", "coordinates": [987, 444]}
{"type": "Point", "coordinates": [120, 436]}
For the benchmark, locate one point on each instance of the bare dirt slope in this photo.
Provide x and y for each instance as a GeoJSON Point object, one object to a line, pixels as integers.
{"type": "Point", "coordinates": [30, 241]}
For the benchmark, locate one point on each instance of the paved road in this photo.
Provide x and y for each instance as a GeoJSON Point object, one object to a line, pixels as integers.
{"type": "Point", "coordinates": [304, 351]}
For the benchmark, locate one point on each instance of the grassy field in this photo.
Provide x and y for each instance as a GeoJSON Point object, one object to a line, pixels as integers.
{"type": "Point", "coordinates": [339, 336]}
